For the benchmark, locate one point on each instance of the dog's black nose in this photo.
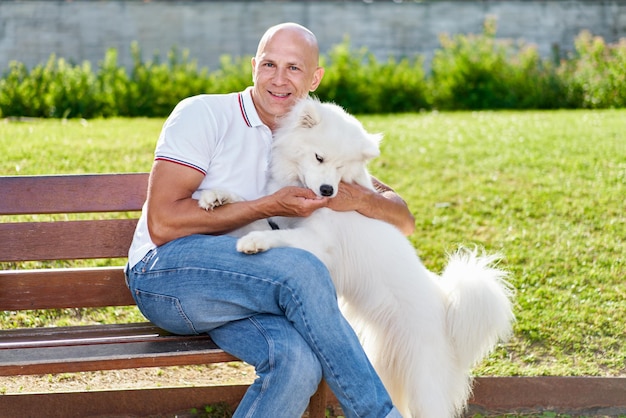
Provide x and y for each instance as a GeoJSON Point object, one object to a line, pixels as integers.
{"type": "Point", "coordinates": [326, 190]}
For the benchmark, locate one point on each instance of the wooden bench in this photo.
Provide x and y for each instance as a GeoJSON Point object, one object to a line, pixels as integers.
{"type": "Point", "coordinates": [35, 351]}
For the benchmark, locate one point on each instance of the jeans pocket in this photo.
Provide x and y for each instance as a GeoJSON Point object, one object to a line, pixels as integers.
{"type": "Point", "coordinates": [165, 312]}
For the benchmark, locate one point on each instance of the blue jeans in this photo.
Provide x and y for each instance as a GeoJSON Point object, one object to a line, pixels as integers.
{"type": "Point", "coordinates": [275, 310]}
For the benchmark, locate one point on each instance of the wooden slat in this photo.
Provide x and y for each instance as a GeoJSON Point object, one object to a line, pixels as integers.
{"type": "Point", "coordinates": [135, 403]}
{"type": "Point", "coordinates": [63, 288]}
{"type": "Point", "coordinates": [566, 394]}
{"type": "Point", "coordinates": [577, 396]}
{"type": "Point", "coordinates": [110, 356]}
{"type": "Point", "coordinates": [159, 402]}
{"type": "Point", "coordinates": [101, 347]}
{"type": "Point", "coordinates": [80, 335]}
{"type": "Point", "coordinates": [72, 193]}
{"type": "Point", "coordinates": [169, 401]}
{"type": "Point", "coordinates": [65, 240]}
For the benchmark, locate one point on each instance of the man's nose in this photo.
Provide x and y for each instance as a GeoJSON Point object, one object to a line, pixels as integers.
{"type": "Point", "coordinates": [280, 76]}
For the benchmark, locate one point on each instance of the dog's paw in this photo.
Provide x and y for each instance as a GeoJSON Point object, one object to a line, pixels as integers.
{"type": "Point", "coordinates": [252, 243]}
{"type": "Point", "coordinates": [210, 199]}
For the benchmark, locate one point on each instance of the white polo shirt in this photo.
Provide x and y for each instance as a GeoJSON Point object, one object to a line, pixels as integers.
{"type": "Point", "coordinates": [220, 136]}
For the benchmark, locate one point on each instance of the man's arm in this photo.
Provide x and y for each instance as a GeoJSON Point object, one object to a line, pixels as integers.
{"type": "Point", "coordinates": [383, 204]}
{"type": "Point", "coordinates": [172, 213]}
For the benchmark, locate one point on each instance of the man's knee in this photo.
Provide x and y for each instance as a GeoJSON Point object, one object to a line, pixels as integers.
{"type": "Point", "coordinates": [305, 265]}
{"type": "Point", "coordinates": [295, 361]}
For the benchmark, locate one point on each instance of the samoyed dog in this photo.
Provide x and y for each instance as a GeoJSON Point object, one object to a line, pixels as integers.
{"type": "Point", "coordinates": [422, 332]}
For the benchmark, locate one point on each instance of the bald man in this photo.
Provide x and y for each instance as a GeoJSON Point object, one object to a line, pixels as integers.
{"type": "Point", "coordinates": [276, 310]}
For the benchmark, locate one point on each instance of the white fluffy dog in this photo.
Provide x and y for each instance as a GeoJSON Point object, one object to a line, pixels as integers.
{"type": "Point", "coordinates": [423, 333]}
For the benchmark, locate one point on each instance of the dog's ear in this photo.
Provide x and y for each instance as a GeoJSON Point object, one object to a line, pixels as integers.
{"type": "Point", "coordinates": [371, 150]}
{"type": "Point", "coordinates": [309, 115]}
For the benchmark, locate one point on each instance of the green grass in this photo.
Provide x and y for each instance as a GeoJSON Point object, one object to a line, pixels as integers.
{"type": "Point", "coordinates": [44, 146]}
{"type": "Point", "coordinates": [545, 189]}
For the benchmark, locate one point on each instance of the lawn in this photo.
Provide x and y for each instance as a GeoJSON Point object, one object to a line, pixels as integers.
{"type": "Point", "coordinates": [544, 189]}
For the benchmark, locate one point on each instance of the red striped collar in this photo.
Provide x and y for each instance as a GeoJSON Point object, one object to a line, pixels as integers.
{"type": "Point", "coordinates": [248, 111]}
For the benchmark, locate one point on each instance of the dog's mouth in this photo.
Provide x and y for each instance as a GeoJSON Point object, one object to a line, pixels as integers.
{"type": "Point", "coordinates": [325, 190]}
{"type": "Point", "coordinates": [321, 190]}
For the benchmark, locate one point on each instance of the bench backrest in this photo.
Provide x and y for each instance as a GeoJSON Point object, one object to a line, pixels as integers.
{"type": "Point", "coordinates": [37, 240]}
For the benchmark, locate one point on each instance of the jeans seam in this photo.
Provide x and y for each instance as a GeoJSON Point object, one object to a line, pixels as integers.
{"type": "Point", "coordinates": [316, 344]}
{"type": "Point", "coordinates": [176, 302]}
{"type": "Point", "coordinates": [271, 355]}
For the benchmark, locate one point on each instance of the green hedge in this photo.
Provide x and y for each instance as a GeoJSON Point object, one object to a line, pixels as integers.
{"type": "Point", "coordinates": [467, 72]}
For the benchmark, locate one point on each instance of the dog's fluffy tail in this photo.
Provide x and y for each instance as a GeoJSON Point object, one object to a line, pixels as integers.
{"type": "Point", "coordinates": [479, 304]}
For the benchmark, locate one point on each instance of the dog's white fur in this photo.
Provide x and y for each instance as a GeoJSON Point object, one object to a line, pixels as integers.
{"type": "Point", "coordinates": [423, 333]}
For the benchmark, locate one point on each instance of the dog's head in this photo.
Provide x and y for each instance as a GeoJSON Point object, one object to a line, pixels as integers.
{"type": "Point", "coordinates": [318, 145]}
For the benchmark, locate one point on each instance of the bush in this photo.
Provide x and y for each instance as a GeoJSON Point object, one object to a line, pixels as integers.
{"type": "Point", "coordinates": [155, 88]}
{"type": "Point", "coordinates": [347, 79]}
{"type": "Point", "coordinates": [596, 73]}
{"type": "Point", "coordinates": [481, 72]}
{"type": "Point", "coordinates": [112, 87]}
{"type": "Point", "coordinates": [57, 89]}
{"type": "Point", "coordinates": [467, 72]}
{"type": "Point", "coordinates": [358, 82]}
{"type": "Point", "coordinates": [233, 75]}
{"type": "Point", "coordinates": [17, 94]}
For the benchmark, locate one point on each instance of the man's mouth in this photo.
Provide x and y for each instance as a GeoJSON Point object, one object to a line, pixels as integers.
{"type": "Point", "coordinates": [280, 95]}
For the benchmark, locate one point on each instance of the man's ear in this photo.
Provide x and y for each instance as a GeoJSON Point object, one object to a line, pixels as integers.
{"type": "Point", "coordinates": [317, 78]}
{"type": "Point", "coordinates": [253, 64]}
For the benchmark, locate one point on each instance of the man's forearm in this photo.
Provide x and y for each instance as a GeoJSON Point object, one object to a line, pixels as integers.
{"type": "Point", "coordinates": [388, 206]}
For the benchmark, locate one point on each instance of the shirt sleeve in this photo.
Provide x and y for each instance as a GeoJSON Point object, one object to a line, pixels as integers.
{"type": "Point", "coordinates": [189, 135]}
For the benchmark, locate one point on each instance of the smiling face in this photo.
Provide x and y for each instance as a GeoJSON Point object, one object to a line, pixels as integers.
{"type": "Point", "coordinates": [285, 69]}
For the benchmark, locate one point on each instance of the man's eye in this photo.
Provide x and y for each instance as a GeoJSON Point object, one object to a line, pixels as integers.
{"type": "Point", "coordinates": [319, 158]}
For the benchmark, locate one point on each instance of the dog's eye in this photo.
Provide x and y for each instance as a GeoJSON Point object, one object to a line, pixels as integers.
{"type": "Point", "coordinates": [319, 158]}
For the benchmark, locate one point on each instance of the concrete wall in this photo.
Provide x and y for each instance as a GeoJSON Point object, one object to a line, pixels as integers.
{"type": "Point", "coordinates": [83, 30]}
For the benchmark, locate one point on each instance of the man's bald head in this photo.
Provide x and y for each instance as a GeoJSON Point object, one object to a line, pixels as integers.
{"type": "Point", "coordinates": [294, 30]}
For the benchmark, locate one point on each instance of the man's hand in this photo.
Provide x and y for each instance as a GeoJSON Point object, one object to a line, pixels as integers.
{"type": "Point", "coordinates": [383, 204]}
{"type": "Point", "coordinates": [350, 196]}
{"type": "Point", "coordinates": [297, 201]}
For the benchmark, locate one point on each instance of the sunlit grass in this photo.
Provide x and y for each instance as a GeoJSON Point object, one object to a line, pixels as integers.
{"type": "Point", "coordinates": [53, 146]}
{"type": "Point", "coordinates": [545, 189]}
